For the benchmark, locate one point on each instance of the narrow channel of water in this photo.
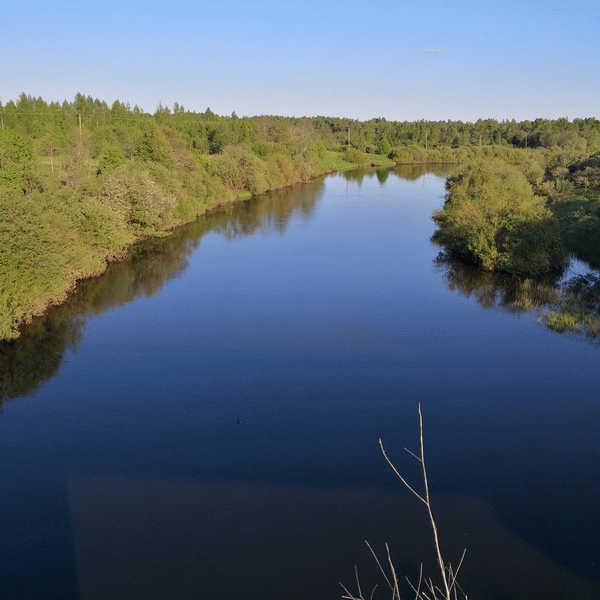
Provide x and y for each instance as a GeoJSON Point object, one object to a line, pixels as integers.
{"type": "Point", "coordinates": [203, 420]}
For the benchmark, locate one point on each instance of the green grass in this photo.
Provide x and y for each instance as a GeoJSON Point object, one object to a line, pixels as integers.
{"type": "Point", "coordinates": [334, 161]}
{"type": "Point", "coordinates": [380, 161]}
{"type": "Point", "coordinates": [564, 321]}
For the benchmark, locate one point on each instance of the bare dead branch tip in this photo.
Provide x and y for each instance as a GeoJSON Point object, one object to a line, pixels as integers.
{"type": "Point", "coordinates": [425, 588]}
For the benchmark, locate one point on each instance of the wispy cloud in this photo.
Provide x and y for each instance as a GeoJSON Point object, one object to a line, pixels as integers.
{"type": "Point", "coordinates": [432, 51]}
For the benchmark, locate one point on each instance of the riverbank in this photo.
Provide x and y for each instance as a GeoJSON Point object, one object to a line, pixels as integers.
{"type": "Point", "coordinates": [82, 219]}
{"type": "Point", "coordinates": [81, 182]}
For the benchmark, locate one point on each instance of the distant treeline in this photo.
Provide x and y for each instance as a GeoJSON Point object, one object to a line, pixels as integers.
{"type": "Point", "coordinates": [81, 181]}
{"type": "Point", "coordinates": [56, 125]}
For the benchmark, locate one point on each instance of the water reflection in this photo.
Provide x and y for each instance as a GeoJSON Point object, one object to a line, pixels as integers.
{"type": "Point", "coordinates": [37, 354]}
{"type": "Point", "coordinates": [268, 214]}
{"type": "Point", "coordinates": [496, 290]}
{"type": "Point", "coordinates": [407, 172]}
{"type": "Point", "coordinates": [565, 304]}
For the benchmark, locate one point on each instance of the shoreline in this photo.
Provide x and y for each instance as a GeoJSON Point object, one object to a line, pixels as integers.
{"type": "Point", "coordinates": [41, 307]}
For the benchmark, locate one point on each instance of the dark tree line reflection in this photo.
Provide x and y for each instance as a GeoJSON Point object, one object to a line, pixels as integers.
{"type": "Point", "coordinates": [563, 305]}
{"type": "Point", "coordinates": [37, 354]}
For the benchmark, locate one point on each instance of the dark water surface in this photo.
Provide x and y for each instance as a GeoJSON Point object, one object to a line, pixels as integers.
{"type": "Point", "coordinates": [203, 421]}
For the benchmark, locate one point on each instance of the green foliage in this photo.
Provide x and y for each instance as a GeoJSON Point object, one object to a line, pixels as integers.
{"type": "Point", "coordinates": [585, 173]}
{"type": "Point", "coordinates": [13, 148]}
{"type": "Point", "coordinates": [355, 156]}
{"type": "Point", "coordinates": [153, 146]}
{"type": "Point", "coordinates": [40, 258]}
{"type": "Point", "coordinates": [112, 157]}
{"type": "Point", "coordinates": [16, 154]}
{"type": "Point", "coordinates": [262, 149]}
{"type": "Point", "coordinates": [492, 217]}
{"type": "Point", "coordinates": [384, 147]}
{"type": "Point", "coordinates": [134, 196]}
{"type": "Point", "coordinates": [318, 151]}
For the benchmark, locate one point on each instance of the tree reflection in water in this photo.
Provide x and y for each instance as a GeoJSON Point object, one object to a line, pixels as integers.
{"type": "Point", "coordinates": [37, 354]}
{"type": "Point", "coordinates": [569, 305]}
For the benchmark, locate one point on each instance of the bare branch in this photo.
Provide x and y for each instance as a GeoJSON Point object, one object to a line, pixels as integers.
{"type": "Point", "coordinates": [358, 581]}
{"type": "Point", "coordinates": [398, 474]}
{"type": "Point", "coordinates": [379, 565]}
{"type": "Point", "coordinates": [396, 592]}
{"type": "Point", "coordinates": [417, 590]}
{"type": "Point", "coordinates": [349, 596]}
{"type": "Point", "coordinates": [425, 589]}
{"type": "Point", "coordinates": [431, 519]}
{"type": "Point", "coordinates": [412, 454]}
{"type": "Point", "coordinates": [454, 574]}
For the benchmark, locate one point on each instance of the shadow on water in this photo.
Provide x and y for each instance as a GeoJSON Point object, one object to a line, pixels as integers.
{"type": "Point", "coordinates": [112, 512]}
{"type": "Point", "coordinates": [37, 354]}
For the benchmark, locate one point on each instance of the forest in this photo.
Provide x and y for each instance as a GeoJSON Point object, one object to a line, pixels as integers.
{"type": "Point", "coordinates": [82, 181]}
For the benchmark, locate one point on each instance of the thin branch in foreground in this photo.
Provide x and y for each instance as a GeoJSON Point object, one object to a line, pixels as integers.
{"type": "Point", "coordinates": [398, 474]}
{"type": "Point", "coordinates": [425, 588]}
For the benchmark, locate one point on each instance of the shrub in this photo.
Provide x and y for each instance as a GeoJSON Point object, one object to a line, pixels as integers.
{"type": "Point", "coordinates": [112, 157]}
{"type": "Point", "coordinates": [384, 148]}
{"type": "Point", "coordinates": [355, 156]}
{"type": "Point", "coordinates": [492, 217]}
{"type": "Point", "coordinates": [134, 196]}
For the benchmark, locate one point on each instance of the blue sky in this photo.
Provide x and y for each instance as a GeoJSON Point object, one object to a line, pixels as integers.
{"type": "Point", "coordinates": [500, 60]}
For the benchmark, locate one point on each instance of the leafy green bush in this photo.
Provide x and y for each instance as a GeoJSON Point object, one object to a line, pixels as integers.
{"type": "Point", "coordinates": [492, 217]}
{"type": "Point", "coordinates": [384, 147]}
{"type": "Point", "coordinates": [355, 156]}
{"type": "Point", "coordinates": [135, 197]}
{"type": "Point", "coordinates": [112, 157]}
{"type": "Point", "coordinates": [41, 256]}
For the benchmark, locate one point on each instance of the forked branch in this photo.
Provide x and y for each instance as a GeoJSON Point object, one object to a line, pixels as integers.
{"type": "Point", "coordinates": [425, 588]}
{"type": "Point", "coordinates": [448, 576]}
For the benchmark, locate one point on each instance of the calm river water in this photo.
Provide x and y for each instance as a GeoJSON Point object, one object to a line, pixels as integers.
{"type": "Point", "coordinates": [203, 420]}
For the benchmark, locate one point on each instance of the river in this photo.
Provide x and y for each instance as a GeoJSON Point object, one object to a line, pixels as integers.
{"type": "Point", "coordinates": [203, 420]}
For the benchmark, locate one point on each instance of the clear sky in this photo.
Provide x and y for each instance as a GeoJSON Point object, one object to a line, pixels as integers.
{"type": "Point", "coordinates": [433, 60]}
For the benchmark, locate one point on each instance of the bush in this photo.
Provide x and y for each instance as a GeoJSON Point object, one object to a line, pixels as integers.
{"type": "Point", "coordinates": [384, 148]}
{"type": "Point", "coordinates": [355, 156]}
{"type": "Point", "coordinates": [492, 217]}
{"type": "Point", "coordinates": [112, 157]}
{"type": "Point", "coordinates": [134, 196]}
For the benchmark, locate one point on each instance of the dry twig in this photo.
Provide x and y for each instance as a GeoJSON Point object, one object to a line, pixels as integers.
{"type": "Point", "coordinates": [425, 588]}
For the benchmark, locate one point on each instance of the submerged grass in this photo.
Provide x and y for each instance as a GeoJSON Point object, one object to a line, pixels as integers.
{"type": "Point", "coordinates": [564, 321]}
